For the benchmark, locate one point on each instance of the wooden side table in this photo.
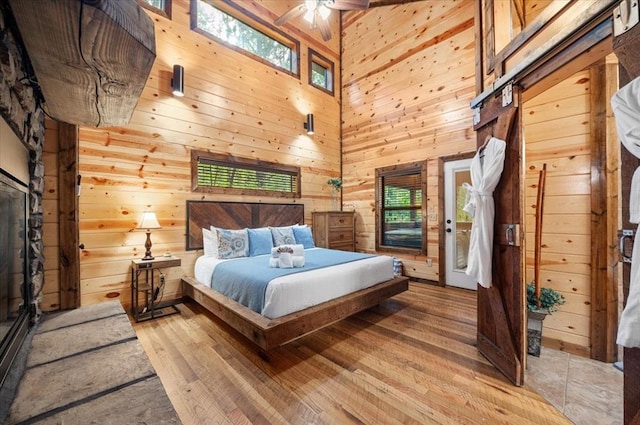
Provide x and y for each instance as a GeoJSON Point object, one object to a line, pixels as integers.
{"type": "Point", "coordinates": [143, 282]}
{"type": "Point", "coordinates": [334, 229]}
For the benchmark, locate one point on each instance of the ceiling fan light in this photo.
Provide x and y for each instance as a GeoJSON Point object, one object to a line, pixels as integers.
{"type": "Point", "coordinates": [310, 5]}
{"type": "Point", "coordinates": [308, 16]}
{"type": "Point", "coordinates": [324, 11]}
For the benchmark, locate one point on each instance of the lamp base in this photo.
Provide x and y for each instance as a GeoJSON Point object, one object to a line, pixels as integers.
{"type": "Point", "coordinates": [147, 258]}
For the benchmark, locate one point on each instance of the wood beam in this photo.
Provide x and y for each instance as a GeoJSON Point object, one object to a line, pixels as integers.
{"type": "Point", "coordinates": [604, 212]}
{"type": "Point", "coordinates": [68, 216]}
{"type": "Point", "coordinates": [91, 58]}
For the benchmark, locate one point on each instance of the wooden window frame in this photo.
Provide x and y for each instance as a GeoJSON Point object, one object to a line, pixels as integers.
{"type": "Point", "coordinates": [233, 161]}
{"type": "Point", "coordinates": [166, 11]}
{"type": "Point", "coordinates": [255, 22]}
{"type": "Point", "coordinates": [395, 170]}
{"type": "Point", "coordinates": [315, 57]}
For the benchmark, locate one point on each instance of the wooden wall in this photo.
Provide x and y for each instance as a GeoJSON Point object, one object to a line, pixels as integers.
{"type": "Point", "coordinates": [406, 95]}
{"type": "Point", "coordinates": [51, 291]}
{"type": "Point", "coordinates": [232, 104]}
{"type": "Point", "coordinates": [557, 132]}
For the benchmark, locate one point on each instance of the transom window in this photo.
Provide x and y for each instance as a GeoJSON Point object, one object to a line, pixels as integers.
{"type": "Point", "coordinates": [228, 174]}
{"type": "Point", "coordinates": [161, 7]}
{"type": "Point", "coordinates": [320, 71]}
{"type": "Point", "coordinates": [235, 27]}
{"type": "Point", "coordinates": [400, 208]}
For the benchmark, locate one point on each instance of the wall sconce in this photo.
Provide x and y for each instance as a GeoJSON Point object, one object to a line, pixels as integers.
{"type": "Point", "coordinates": [308, 125]}
{"type": "Point", "coordinates": [149, 221]}
{"type": "Point", "coordinates": [177, 82]}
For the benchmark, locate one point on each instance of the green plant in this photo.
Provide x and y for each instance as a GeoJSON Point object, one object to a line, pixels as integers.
{"type": "Point", "coordinates": [549, 299]}
{"type": "Point", "coordinates": [335, 182]}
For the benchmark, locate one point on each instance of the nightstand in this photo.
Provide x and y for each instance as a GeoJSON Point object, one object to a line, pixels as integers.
{"type": "Point", "coordinates": [145, 282]}
{"type": "Point", "coordinates": [334, 230]}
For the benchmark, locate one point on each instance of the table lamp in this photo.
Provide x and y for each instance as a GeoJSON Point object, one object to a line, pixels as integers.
{"type": "Point", "coordinates": [148, 222]}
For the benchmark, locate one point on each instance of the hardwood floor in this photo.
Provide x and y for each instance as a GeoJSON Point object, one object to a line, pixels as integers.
{"type": "Point", "coordinates": [410, 360]}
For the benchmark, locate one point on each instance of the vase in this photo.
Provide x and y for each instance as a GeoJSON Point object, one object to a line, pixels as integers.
{"type": "Point", "coordinates": [335, 199]}
{"type": "Point", "coordinates": [534, 330]}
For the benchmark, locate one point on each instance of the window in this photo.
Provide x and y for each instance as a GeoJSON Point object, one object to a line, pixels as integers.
{"type": "Point", "coordinates": [235, 27]}
{"type": "Point", "coordinates": [400, 207]}
{"type": "Point", "coordinates": [232, 175]}
{"type": "Point", "coordinates": [320, 72]}
{"type": "Point", "coordinates": [161, 7]}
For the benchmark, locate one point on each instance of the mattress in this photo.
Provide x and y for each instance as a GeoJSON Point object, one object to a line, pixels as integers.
{"type": "Point", "coordinates": [291, 293]}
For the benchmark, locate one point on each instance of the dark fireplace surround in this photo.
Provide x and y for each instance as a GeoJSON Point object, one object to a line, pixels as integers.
{"type": "Point", "coordinates": [21, 108]}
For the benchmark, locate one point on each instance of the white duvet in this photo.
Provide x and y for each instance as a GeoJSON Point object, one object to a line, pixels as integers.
{"type": "Point", "coordinates": [294, 292]}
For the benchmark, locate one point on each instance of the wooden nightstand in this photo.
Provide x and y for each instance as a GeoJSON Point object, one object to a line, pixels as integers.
{"type": "Point", "coordinates": [150, 288]}
{"type": "Point", "coordinates": [334, 230]}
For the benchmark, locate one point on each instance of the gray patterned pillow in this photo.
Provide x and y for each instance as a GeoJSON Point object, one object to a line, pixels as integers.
{"type": "Point", "coordinates": [232, 243]}
{"type": "Point", "coordinates": [283, 236]}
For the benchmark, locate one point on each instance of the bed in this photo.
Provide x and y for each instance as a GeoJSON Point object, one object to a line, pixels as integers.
{"type": "Point", "coordinates": [269, 332]}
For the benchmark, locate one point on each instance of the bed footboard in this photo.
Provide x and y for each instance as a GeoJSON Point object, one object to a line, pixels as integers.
{"type": "Point", "coordinates": [269, 333]}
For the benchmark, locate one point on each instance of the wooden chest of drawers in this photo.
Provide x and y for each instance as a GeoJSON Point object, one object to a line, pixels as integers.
{"type": "Point", "coordinates": [334, 230]}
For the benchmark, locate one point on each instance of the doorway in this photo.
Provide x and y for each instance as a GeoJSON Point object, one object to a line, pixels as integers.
{"type": "Point", "coordinates": [457, 224]}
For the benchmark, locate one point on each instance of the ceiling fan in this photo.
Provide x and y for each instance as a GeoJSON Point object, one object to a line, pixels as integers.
{"type": "Point", "coordinates": [316, 12]}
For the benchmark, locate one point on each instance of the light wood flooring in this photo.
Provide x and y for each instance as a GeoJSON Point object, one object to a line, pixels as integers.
{"type": "Point", "coordinates": [410, 360]}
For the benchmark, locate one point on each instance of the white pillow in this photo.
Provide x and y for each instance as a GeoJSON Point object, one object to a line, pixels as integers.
{"type": "Point", "coordinates": [210, 243]}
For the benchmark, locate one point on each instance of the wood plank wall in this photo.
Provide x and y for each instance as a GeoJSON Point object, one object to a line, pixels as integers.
{"type": "Point", "coordinates": [557, 132]}
{"type": "Point", "coordinates": [406, 96]}
{"type": "Point", "coordinates": [50, 235]}
{"type": "Point", "coordinates": [232, 104]}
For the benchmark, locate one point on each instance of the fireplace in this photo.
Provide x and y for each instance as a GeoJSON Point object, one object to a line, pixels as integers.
{"type": "Point", "coordinates": [15, 289]}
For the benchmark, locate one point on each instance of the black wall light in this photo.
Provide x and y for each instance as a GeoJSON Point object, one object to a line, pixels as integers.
{"type": "Point", "coordinates": [308, 125]}
{"type": "Point", "coordinates": [177, 82]}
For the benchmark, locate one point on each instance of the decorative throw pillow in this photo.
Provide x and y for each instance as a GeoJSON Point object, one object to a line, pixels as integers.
{"type": "Point", "coordinates": [282, 235]}
{"type": "Point", "coordinates": [209, 243]}
{"type": "Point", "coordinates": [232, 243]}
{"type": "Point", "coordinates": [303, 236]}
{"type": "Point", "coordinates": [260, 241]}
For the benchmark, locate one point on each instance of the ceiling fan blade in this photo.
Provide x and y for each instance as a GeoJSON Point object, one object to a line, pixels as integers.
{"type": "Point", "coordinates": [293, 13]}
{"type": "Point", "coordinates": [349, 4]}
{"type": "Point", "coordinates": [323, 26]}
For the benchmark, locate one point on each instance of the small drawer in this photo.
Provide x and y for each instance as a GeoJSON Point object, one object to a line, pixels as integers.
{"type": "Point", "coordinates": [341, 236]}
{"type": "Point", "coordinates": [341, 220]}
{"type": "Point", "coordinates": [343, 246]}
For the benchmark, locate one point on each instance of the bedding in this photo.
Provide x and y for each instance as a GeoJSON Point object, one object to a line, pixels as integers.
{"type": "Point", "coordinates": [298, 289]}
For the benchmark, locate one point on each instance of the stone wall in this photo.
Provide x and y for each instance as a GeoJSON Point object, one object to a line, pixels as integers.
{"type": "Point", "coordinates": [21, 107]}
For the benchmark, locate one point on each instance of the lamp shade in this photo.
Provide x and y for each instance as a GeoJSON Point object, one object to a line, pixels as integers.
{"type": "Point", "coordinates": [149, 221]}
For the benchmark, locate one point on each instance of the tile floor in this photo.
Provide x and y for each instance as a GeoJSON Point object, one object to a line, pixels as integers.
{"type": "Point", "coordinates": [586, 391]}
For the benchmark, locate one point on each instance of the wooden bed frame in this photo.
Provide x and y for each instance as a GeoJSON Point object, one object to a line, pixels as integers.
{"type": "Point", "coordinates": [264, 332]}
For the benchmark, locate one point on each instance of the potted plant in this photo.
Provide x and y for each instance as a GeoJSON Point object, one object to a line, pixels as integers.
{"type": "Point", "coordinates": [336, 185]}
{"type": "Point", "coordinates": [537, 309]}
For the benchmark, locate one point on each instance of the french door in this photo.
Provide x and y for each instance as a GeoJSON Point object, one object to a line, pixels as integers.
{"type": "Point", "coordinates": [457, 224]}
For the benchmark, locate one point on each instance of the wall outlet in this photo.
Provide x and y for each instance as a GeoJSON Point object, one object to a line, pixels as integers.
{"type": "Point", "coordinates": [429, 262]}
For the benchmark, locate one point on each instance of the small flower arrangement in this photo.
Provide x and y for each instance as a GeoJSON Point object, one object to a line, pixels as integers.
{"type": "Point", "coordinates": [549, 299]}
{"type": "Point", "coordinates": [335, 182]}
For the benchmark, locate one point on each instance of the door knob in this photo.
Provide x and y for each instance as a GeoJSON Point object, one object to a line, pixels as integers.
{"type": "Point", "coordinates": [448, 230]}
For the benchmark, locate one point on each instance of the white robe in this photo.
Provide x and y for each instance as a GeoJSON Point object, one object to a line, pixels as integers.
{"type": "Point", "coordinates": [626, 108]}
{"type": "Point", "coordinates": [486, 169]}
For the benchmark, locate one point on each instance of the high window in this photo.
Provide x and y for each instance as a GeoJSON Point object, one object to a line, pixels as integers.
{"type": "Point", "coordinates": [228, 174]}
{"type": "Point", "coordinates": [236, 28]}
{"type": "Point", "coordinates": [161, 7]}
{"type": "Point", "coordinates": [320, 72]}
{"type": "Point", "coordinates": [400, 207]}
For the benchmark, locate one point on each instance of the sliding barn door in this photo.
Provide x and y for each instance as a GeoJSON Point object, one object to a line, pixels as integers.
{"type": "Point", "coordinates": [625, 47]}
{"type": "Point", "coordinates": [501, 308]}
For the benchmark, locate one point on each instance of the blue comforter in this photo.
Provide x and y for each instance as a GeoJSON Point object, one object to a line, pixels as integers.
{"type": "Point", "coordinates": [245, 280]}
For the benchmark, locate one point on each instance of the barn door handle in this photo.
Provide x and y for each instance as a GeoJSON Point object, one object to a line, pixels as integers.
{"type": "Point", "coordinates": [622, 239]}
{"type": "Point", "coordinates": [509, 233]}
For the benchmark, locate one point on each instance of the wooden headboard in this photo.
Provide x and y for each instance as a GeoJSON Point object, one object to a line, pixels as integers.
{"type": "Point", "coordinates": [237, 215]}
